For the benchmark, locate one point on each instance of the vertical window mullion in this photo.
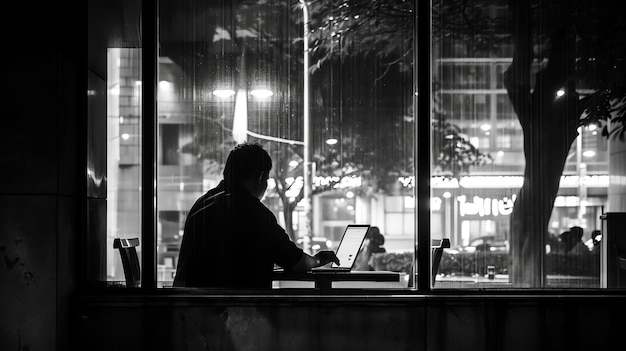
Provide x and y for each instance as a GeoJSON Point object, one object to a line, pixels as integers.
{"type": "Point", "coordinates": [422, 59]}
{"type": "Point", "coordinates": [148, 146]}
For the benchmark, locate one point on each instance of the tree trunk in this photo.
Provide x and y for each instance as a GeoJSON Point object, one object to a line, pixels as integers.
{"type": "Point", "coordinates": [281, 158]}
{"type": "Point", "coordinates": [288, 216]}
{"type": "Point", "coordinates": [549, 124]}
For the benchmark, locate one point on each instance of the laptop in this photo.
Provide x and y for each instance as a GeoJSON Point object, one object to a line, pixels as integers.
{"type": "Point", "coordinates": [348, 249]}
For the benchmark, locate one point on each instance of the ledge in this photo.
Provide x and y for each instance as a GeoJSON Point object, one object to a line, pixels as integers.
{"type": "Point", "coordinates": [189, 297]}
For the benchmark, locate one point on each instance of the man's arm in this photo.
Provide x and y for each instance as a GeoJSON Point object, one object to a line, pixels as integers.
{"type": "Point", "coordinates": [307, 261]}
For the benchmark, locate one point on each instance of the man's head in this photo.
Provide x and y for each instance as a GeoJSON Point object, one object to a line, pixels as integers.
{"type": "Point", "coordinates": [248, 165]}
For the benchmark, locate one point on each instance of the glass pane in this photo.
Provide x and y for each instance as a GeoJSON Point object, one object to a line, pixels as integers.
{"type": "Point", "coordinates": [522, 167]}
{"type": "Point", "coordinates": [123, 154]}
{"type": "Point", "coordinates": [235, 72]}
{"type": "Point", "coordinates": [114, 138]}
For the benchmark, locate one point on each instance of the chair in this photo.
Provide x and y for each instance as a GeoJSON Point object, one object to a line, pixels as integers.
{"type": "Point", "coordinates": [130, 261]}
{"type": "Point", "coordinates": [613, 273]}
{"type": "Point", "coordinates": [437, 246]}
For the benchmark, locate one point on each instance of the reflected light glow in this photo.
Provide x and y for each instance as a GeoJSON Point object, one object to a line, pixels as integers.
{"type": "Point", "coordinates": [331, 141]}
{"type": "Point", "coordinates": [115, 90]}
{"type": "Point", "coordinates": [164, 84]}
{"type": "Point", "coordinates": [560, 93]}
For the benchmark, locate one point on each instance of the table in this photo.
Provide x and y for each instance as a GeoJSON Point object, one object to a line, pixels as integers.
{"type": "Point", "coordinates": [324, 280]}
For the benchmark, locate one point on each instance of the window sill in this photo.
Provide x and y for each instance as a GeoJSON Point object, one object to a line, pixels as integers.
{"type": "Point", "coordinates": [186, 296]}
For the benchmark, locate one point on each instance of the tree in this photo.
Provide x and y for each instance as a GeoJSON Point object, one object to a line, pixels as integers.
{"type": "Point", "coordinates": [584, 47]}
{"type": "Point", "coordinates": [383, 31]}
{"type": "Point", "coordinates": [573, 49]}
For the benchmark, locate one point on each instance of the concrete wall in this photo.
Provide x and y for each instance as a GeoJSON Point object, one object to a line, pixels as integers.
{"type": "Point", "coordinates": [39, 201]}
{"type": "Point", "coordinates": [40, 162]}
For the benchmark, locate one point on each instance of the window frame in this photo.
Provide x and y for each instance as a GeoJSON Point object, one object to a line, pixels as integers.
{"type": "Point", "coordinates": [422, 190]}
{"type": "Point", "coordinates": [149, 157]}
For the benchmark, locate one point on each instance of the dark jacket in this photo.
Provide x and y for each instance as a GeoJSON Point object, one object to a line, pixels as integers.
{"type": "Point", "coordinates": [231, 240]}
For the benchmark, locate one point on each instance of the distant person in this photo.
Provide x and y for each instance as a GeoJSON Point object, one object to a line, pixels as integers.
{"type": "Point", "coordinates": [376, 240]}
{"type": "Point", "coordinates": [230, 239]}
{"type": "Point", "coordinates": [571, 241]}
{"type": "Point", "coordinates": [372, 244]}
{"type": "Point", "coordinates": [596, 239]}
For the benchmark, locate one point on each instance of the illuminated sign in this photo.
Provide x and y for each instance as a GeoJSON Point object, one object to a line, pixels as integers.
{"type": "Point", "coordinates": [485, 206]}
{"type": "Point", "coordinates": [491, 182]}
{"type": "Point", "coordinates": [338, 182]}
{"type": "Point", "coordinates": [407, 182]}
{"type": "Point", "coordinates": [469, 182]}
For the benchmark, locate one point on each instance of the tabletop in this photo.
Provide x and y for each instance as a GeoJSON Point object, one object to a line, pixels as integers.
{"type": "Point", "coordinates": [323, 280]}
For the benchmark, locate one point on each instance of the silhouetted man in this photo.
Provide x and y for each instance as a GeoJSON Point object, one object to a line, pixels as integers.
{"type": "Point", "coordinates": [231, 240]}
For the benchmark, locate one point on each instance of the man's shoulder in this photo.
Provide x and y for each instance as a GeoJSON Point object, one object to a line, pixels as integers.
{"type": "Point", "coordinates": [208, 201]}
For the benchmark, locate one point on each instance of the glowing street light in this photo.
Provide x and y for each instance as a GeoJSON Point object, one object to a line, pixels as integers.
{"type": "Point", "coordinates": [223, 93]}
{"type": "Point", "coordinates": [261, 93]}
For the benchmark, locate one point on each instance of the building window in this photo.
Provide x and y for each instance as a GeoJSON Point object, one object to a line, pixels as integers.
{"type": "Point", "coordinates": [400, 216]}
{"type": "Point", "coordinates": [229, 73]}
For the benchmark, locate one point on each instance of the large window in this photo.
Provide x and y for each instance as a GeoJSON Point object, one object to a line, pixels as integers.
{"type": "Point", "coordinates": [230, 73]}
{"type": "Point", "coordinates": [521, 169]}
{"type": "Point", "coordinates": [520, 165]}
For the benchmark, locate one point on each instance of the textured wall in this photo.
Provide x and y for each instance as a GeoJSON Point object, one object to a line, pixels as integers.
{"type": "Point", "coordinates": [38, 200]}
{"type": "Point", "coordinates": [357, 323]}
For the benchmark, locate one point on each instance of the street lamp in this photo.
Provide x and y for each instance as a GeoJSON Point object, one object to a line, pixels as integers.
{"type": "Point", "coordinates": [240, 119]}
{"type": "Point", "coordinates": [223, 93]}
{"type": "Point", "coordinates": [307, 141]}
{"type": "Point", "coordinates": [261, 93]}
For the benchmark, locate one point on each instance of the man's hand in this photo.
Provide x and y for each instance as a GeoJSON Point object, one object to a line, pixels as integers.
{"type": "Point", "coordinates": [325, 257]}
{"type": "Point", "coordinates": [307, 261]}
